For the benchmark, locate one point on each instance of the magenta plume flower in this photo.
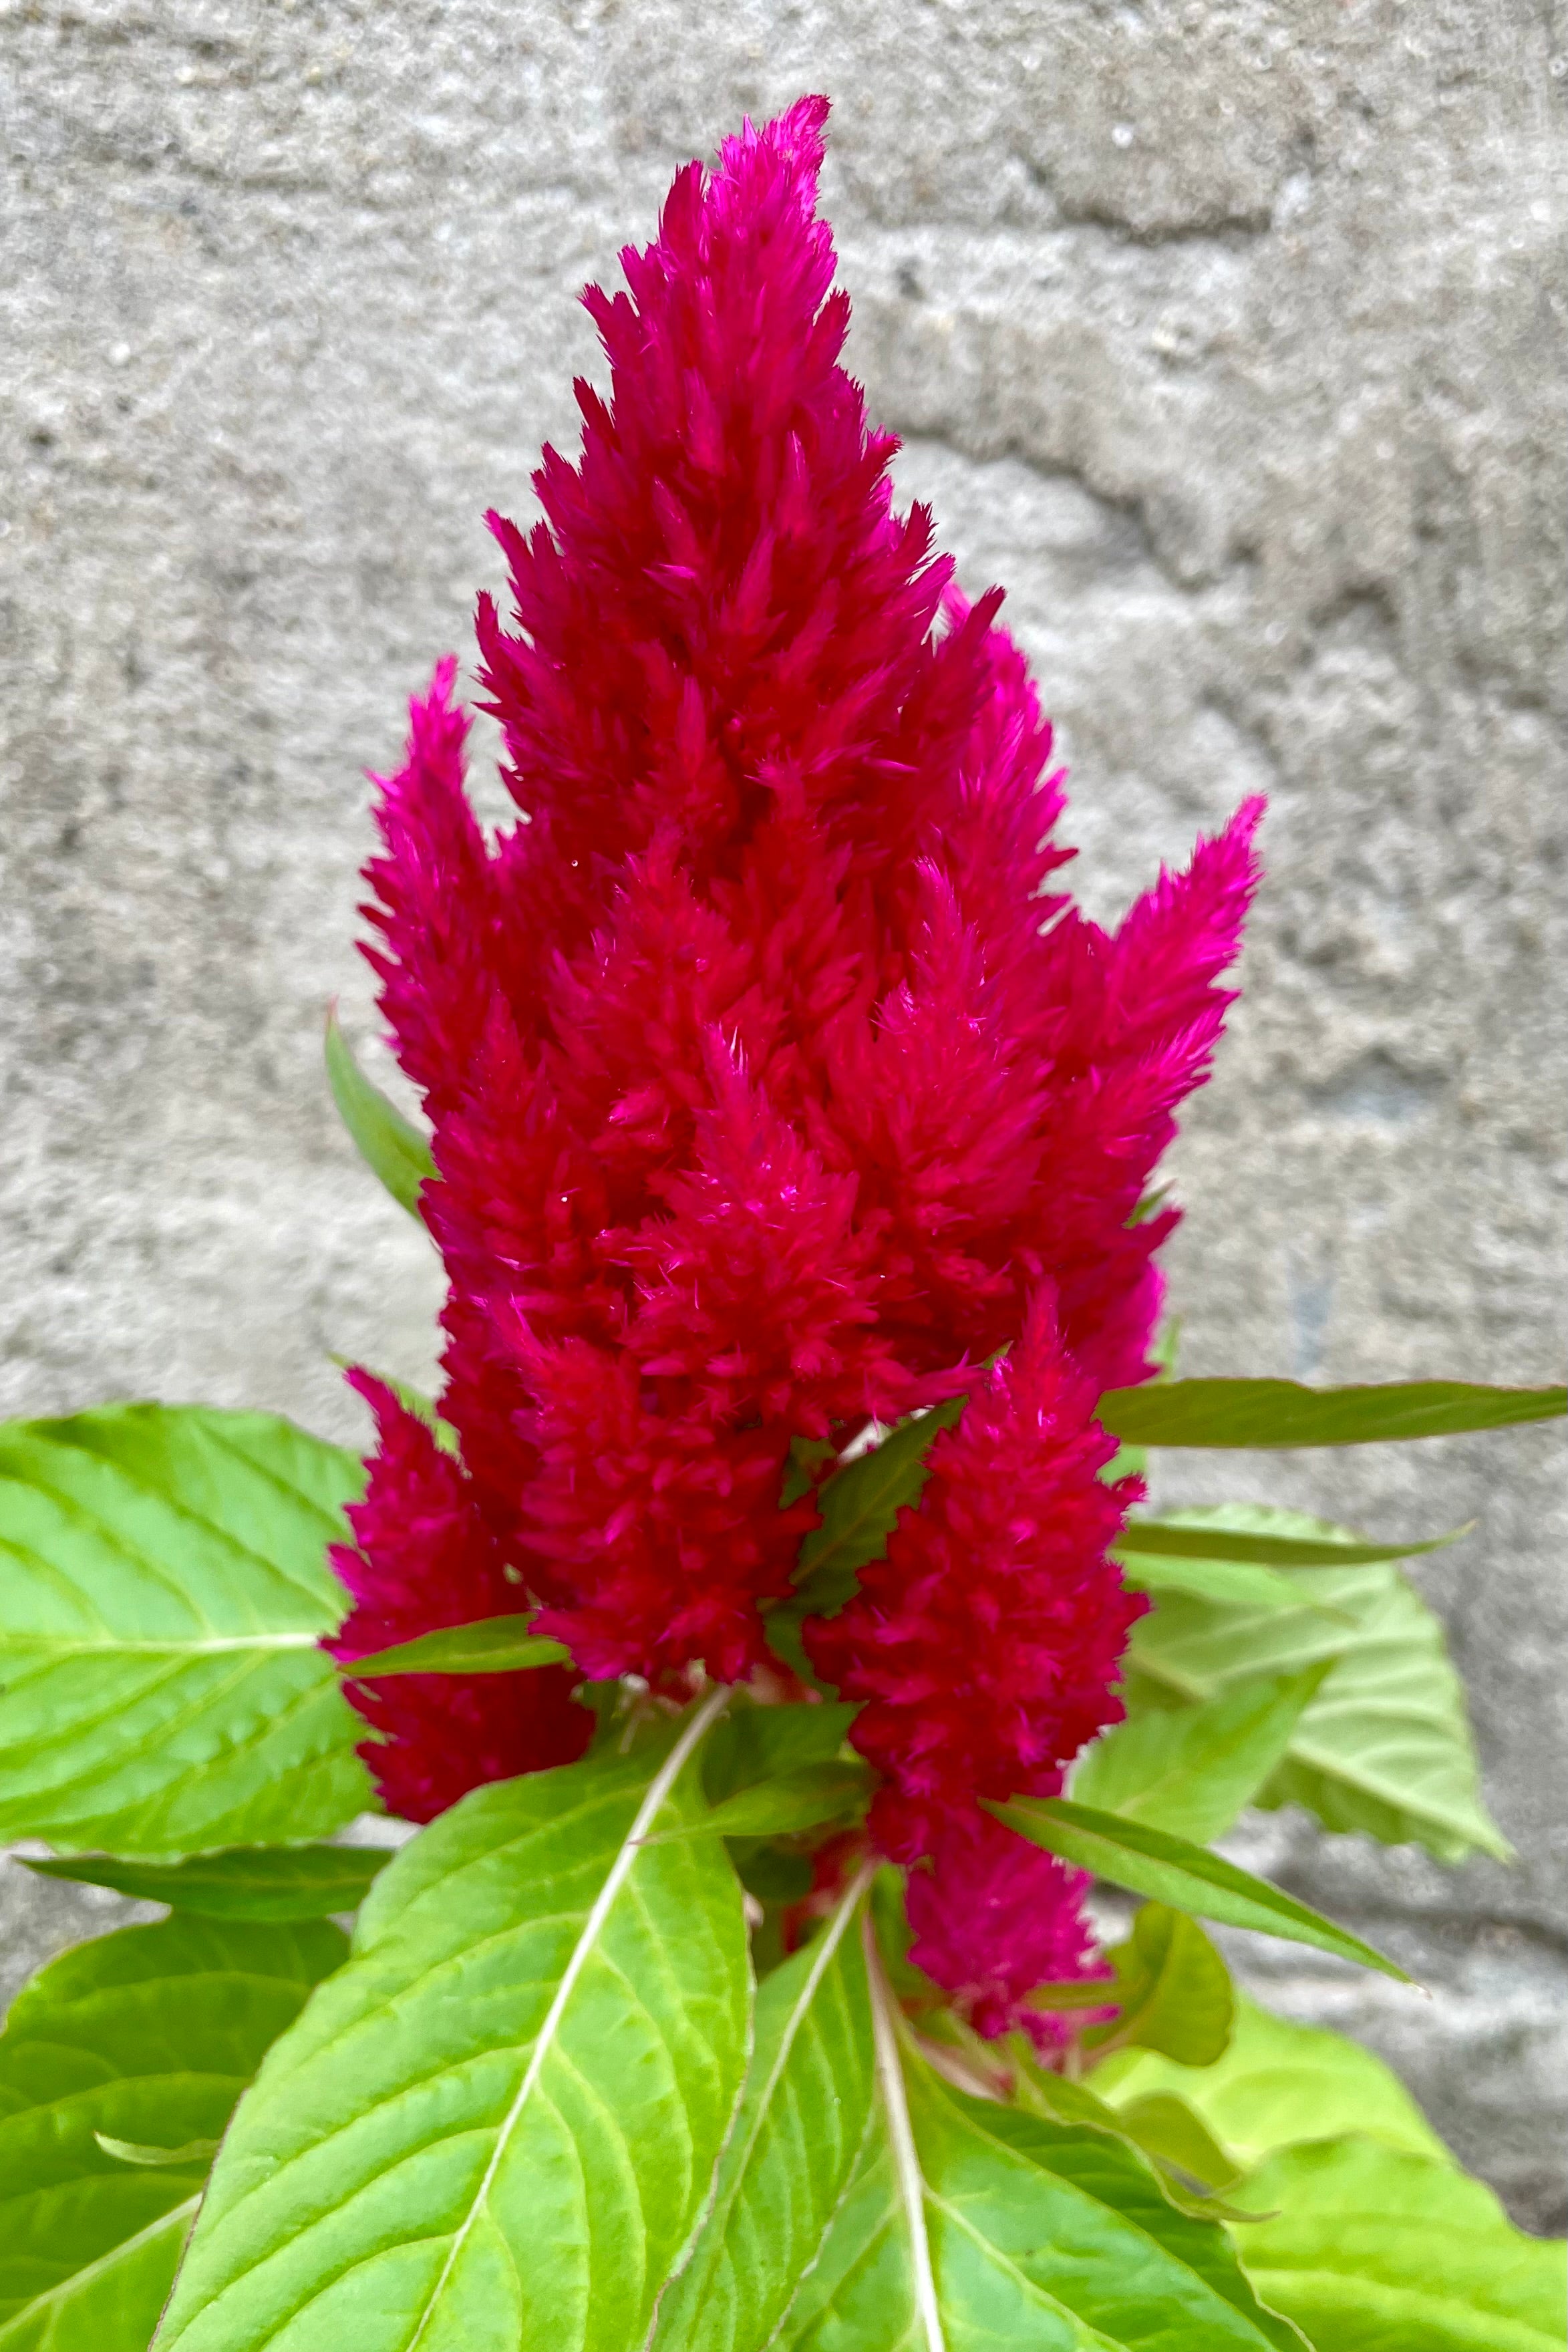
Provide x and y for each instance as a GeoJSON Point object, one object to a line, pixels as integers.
{"type": "Point", "coordinates": [773, 1084]}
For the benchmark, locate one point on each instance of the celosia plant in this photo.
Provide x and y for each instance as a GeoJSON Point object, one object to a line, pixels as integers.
{"type": "Point", "coordinates": [772, 1553]}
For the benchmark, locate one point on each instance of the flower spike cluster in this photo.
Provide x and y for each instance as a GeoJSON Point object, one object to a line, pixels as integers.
{"type": "Point", "coordinates": [774, 1083]}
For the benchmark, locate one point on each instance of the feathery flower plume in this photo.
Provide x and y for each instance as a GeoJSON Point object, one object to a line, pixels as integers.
{"type": "Point", "coordinates": [773, 1083]}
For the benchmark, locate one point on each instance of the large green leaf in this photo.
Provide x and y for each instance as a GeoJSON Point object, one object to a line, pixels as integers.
{"type": "Point", "coordinates": [859, 1505]}
{"type": "Point", "coordinates": [1385, 1743]}
{"type": "Point", "coordinates": [254, 1882]}
{"type": "Point", "coordinates": [488, 1645]}
{"type": "Point", "coordinates": [145, 2039]}
{"type": "Point", "coordinates": [801, 2131]}
{"type": "Point", "coordinates": [1189, 1877]}
{"type": "Point", "coordinates": [1371, 2249]}
{"type": "Point", "coordinates": [1277, 2082]}
{"type": "Point", "coordinates": [972, 2226]}
{"type": "Point", "coordinates": [1283, 1412]}
{"type": "Point", "coordinates": [1192, 1770]}
{"type": "Point", "coordinates": [389, 1146]}
{"type": "Point", "coordinates": [164, 1588]}
{"type": "Point", "coordinates": [499, 2124]}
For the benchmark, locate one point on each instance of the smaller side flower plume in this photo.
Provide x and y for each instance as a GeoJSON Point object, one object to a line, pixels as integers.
{"type": "Point", "coordinates": [424, 1558]}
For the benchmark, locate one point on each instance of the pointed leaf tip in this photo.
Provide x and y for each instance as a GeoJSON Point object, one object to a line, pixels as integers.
{"type": "Point", "coordinates": [389, 1144]}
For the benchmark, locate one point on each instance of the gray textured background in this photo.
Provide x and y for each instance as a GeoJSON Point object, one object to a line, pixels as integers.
{"type": "Point", "coordinates": [1229, 335]}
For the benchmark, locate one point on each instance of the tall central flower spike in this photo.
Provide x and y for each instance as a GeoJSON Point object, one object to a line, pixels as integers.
{"type": "Point", "coordinates": [773, 1086]}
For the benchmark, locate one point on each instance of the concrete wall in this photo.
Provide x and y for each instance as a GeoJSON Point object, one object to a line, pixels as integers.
{"type": "Point", "coordinates": [1228, 334]}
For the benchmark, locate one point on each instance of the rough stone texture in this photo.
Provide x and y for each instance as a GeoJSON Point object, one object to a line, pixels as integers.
{"type": "Point", "coordinates": [1228, 334]}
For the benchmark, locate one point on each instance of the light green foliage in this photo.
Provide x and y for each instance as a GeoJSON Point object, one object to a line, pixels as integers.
{"type": "Point", "coordinates": [389, 1146]}
{"type": "Point", "coordinates": [1043, 2237]}
{"type": "Point", "coordinates": [1374, 2249]}
{"type": "Point", "coordinates": [1384, 1744]}
{"type": "Point", "coordinates": [808, 2109]}
{"type": "Point", "coordinates": [163, 1585]}
{"type": "Point", "coordinates": [262, 1881]}
{"type": "Point", "coordinates": [145, 2038]}
{"type": "Point", "coordinates": [489, 1646]}
{"type": "Point", "coordinates": [497, 2126]}
{"type": "Point", "coordinates": [1173, 1989]}
{"type": "Point", "coordinates": [1172, 1870]}
{"type": "Point", "coordinates": [1191, 1769]}
{"type": "Point", "coordinates": [1276, 2082]}
{"type": "Point", "coordinates": [1284, 1413]}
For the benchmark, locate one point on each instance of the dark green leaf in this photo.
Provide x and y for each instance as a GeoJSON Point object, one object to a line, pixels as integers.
{"type": "Point", "coordinates": [489, 1646]}
{"type": "Point", "coordinates": [389, 1146]}
{"type": "Point", "coordinates": [1192, 1770]}
{"type": "Point", "coordinates": [1366, 2246]}
{"type": "Point", "coordinates": [1278, 2082]}
{"type": "Point", "coordinates": [264, 1882]}
{"type": "Point", "coordinates": [499, 2124]}
{"type": "Point", "coordinates": [859, 1505]}
{"type": "Point", "coordinates": [139, 2041]}
{"type": "Point", "coordinates": [795, 1800]}
{"type": "Point", "coordinates": [1256, 1531]}
{"type": "Point", "coordinates": [758, 1743]}
{"type": "Point", "coordinates": [163, 1589]}
{"type": "Point", "coordinates": [1173, 1989]}
{"type": "Point", "coordinates": [1283, 1412]}
{"type": "Point", "coordinates": [801, 2131]}
{"type": "Point", "coordinates": [1189, 1877]}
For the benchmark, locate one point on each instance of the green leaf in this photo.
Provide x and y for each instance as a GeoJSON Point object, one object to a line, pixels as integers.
{"type": "Point", "coordinates": [1192, 1770]}
{"type": "Point", "coordinates": [1168, 2130]}
{"type": "Point", "coordinates": [1385, 1743]}
{"type": "Point", "coordinates": [757, 1743]}
{"type": "Point", "coordinates": [162, 2160]}
{"type": "Point", "coordinates": [142, 2037]}
{"type": "Point", "coordinates": [1038, 2236]}
{"type": "Point", "coordinates": [795, 1800]}
{"type": "Point", "coordinates": [1367, 2247]}
{"type": "Point", "coordinates": [801, 2131]}
{"type": "Point", "coordinates": [389, 1146]}
{"type": "Point", "coordinates": [1275, 1539]}
{"type": "Point", "coordinates": [1278, 2082]}
{"type": "Point", "coordinates": [265, 1882]}
{"type": "Point", "coordinates": [1173, 1989]}
{"type": "Point", "coordinates": [1283, 1412]}
{"type": "Point", "coordinates": [1190, 1649]}
{"type": "Point", "coordinates": [1189, 1877]}
{"type": "Point", "coordinates": [489, 1646]}
{"type": "Point", "coordinates": [498, 2126]}
{"type": "Point", "coordinates": [163, 1589]}
{"type": "Point", "coordinates": [1245, 1584]}
{"type": "Point", "coordinates": [859, 1505]}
